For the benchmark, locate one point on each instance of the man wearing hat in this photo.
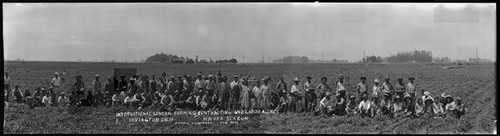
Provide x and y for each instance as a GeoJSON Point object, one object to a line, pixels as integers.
{"type": "Point", "coordinates": [351, 105]}
{"type": "Point", "coordinates": [63, 100]}
{"type": "Point", "coordinates": [17, 94]}
{"type": "Point", "coordinates": [361, 88]}
{"type": "Point", "coordinates": [428, 102]}
{"type": "Point", "coordinates": [397, 106]}
{"type": "Point", "coordinates": [322, 89]}
{"type": "Point", "coordinates": [225, 89]}
{"type": "Point", "coordinates": [56, 82]}
{"type": "Point", "coordinates": [400, 88]}
{"type": "Point", "coordinates": [408, 106]}
{"type": "Point", "coordinates": [387, 87]}
{"type": "Point", "coordinates": [326, 105]}
{"type": "Point", "coordinates": [296, 93]}
{"type": "Point", "coordinates": [340, 106]}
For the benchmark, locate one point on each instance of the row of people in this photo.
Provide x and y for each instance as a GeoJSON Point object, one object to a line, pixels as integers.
{"type": "Point", "coordinates": [242, 93]}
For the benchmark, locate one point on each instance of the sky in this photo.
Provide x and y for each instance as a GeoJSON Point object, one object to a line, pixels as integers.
{"type": "Point", "coordinates": [248, 32]}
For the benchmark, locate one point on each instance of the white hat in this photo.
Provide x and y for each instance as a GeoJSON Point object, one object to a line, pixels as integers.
{"type": "Point", "coordinates": [296, 79]}
{"type": "Point", "coordinates": [376, 81]}
{"type": "Point", "coordinates": [96, 75]}
{"type": "Point", "coordinates": [56, 73]}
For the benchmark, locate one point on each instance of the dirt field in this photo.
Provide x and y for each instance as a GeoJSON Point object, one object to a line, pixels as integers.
{"type": "Point", "coordinates": [476, 84]}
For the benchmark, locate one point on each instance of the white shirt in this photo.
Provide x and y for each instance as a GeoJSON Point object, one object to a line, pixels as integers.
{"type": "Point", "coordinates": [295, 89]}
{"type": "Point", "coordinates": [6, 80]}
{"type": "Point", "coordinates": [56, 81]}
{"type": "Point", "coordinates": [47, 100]}
{"type": "Point", "coordinates": [326, 103]}
{"type": "Point", "coordinates": [199, 83]}
{"type": "Point", "coordinates": [340, 87]}
{"type": "Point", "coordinates": [233, 83]}
{"type": "Point", "coordinates": [364, 105]}
{"type": "Point", "coordinates": [376, 90]}
{"type": "Point", "coordinates": [410, 88]}
{"type": "Point", "coordinates": [257, 91]}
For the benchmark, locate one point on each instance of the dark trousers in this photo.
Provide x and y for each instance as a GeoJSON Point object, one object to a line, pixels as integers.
{"type": "Point", "coordinates": [235, 102]}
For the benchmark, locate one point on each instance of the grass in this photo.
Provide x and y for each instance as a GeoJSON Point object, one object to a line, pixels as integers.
{"type": "Point", "coordinates": [474, 83]}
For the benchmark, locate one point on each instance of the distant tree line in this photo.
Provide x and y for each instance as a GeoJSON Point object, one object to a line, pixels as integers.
{"type": "Point", "coordinates": [233, 60]}
{"type": "Point", "coordinates": [372, 59]}
{"type": "Point", "coordinates": [410, 56]}
{"type": "Point", "coordinates": [169, 58]}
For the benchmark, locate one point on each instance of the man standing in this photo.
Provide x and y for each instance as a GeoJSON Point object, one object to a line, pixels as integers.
{"type": "Point", "coordinates": [296, 93]}
{"type": "Point", "coordinates": [322, 89]}
{"type": "Point", "coordinates": [387, 87]}
{"type": "Point", "coordinates": [153, 84]}
{"type": "Point", "coordinates": [122, 84]}
{"type": "Point", "coordinates": [281, 87]}
{"type": "Point", "coordinates": [199, 84]}
{"type": "Point", "coordinates": [400, 88]}
{"type": "Point", "coordinates": [171, 87]}
{"type": "Point", "coordinates": [411, 88]}
{"type": "Point", "coordinates": [361, 87]}
{"type": "Point", "coordinates": [108, 85]}
{"type": "Point", "coordinates": [224, 90]}
{"type": "Point", "coordinates": [235, 93]}
{"type": "Point", "coordinates": [340, 89]}
{"type": "Point", "coordinates": [97, 84]}
{"type": "Point", "coordinates": [309, 93]}
{"type": "Point", "coordinates": [210, 85]}
{"type": "Point", "coordinates": [56, 82]}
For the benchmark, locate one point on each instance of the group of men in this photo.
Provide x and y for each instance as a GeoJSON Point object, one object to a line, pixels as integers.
{"type": "Point", "coordinates": [246, 93]}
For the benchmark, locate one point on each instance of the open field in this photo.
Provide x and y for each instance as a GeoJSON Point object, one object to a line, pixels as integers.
{"type": "Point", "coordinates": [476, 84]}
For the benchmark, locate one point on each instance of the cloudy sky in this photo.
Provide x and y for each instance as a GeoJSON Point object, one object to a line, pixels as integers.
{"type": "Point", "coordinates": [120, 31]}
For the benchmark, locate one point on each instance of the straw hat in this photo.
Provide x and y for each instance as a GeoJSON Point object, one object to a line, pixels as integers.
{"type": "Point", "coordinates": [459, 99]}
{"type": "Point", "coordinates": [296, 79]}
{"type": "Point", "coordinates": [56, 73]}
{"type": "Point", "coordinates": [387, 78]}
{"type": "Point", "coordinates": [411, 78]}
{"type": "Point", "coordinates": [96, 75]}
{"type": "Point", "coordinates": [376, 81]}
